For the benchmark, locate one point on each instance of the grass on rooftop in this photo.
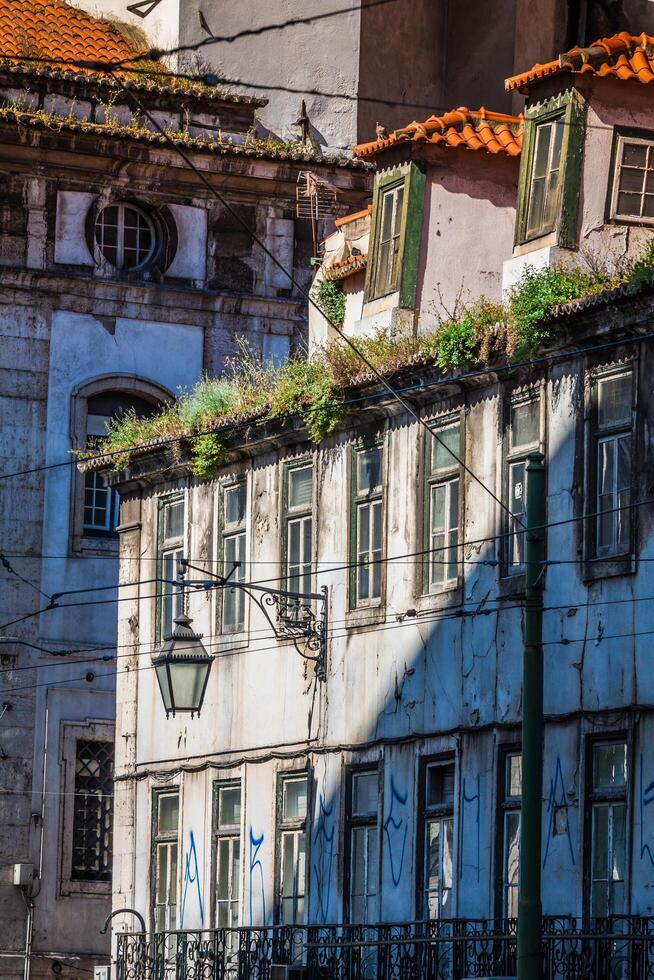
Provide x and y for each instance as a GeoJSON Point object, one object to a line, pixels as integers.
{"type": "Point", "coordinates": [315, 388]}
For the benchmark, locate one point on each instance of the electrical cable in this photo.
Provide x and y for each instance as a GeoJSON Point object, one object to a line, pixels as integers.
{"type": "Point", "coordinates": [351, 565]}
{"type": "Point", "coordinates": [600, 637]}
{"type": "Point", "coordinates": [373, 626]}
{"type": "Point", "coordinates": [418, 387]}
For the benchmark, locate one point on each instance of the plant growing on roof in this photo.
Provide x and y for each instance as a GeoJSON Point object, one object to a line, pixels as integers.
{"type": "Point", "coordinates": [330, 297]}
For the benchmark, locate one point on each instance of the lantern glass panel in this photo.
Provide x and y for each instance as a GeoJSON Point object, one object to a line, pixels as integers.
{"type": "Point", "coordinates": [187, 681]}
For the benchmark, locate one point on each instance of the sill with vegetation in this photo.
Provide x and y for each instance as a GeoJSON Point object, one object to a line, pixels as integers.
{"type": "Point", "coordinates": [315, 388]}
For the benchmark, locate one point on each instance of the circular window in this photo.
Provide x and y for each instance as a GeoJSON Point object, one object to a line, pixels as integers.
{"type": "Point", "coordinates": [125, 236]}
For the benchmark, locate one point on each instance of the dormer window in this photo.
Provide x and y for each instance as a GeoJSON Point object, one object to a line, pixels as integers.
{"type": "Point", "coordinates": [395, 236]}
{"type": "Point", "coordinates": [633, 188]}
{"type": "Point", "coordinates": [550, 171]}
{"type": "Point", "coordinates": [387, 266]}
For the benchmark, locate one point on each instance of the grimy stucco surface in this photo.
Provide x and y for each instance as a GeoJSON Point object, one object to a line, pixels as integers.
{"type": "Point", "coordinates": [67, 321]}
{"type": "Point", "coordinates": [400, 687]}
{"type": "Point", "coordinates": [392, 62]}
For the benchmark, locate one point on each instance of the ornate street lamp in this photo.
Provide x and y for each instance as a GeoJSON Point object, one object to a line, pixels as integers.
{"type": "Point", "coordinates": [182, 667]}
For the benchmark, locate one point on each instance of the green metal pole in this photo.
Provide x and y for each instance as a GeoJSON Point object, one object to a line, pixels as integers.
{"type": "Point", "coordinates": [530, 960]}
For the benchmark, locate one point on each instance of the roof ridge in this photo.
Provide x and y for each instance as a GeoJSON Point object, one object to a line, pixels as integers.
{"type": "Point", "coordinates": [483, 127]}
{"type": "Point", "coordinates": [616, 55]}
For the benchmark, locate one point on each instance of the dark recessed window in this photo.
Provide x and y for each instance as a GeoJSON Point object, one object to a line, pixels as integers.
{"type": "Point", "coordinates": [125, 236]}
{"type": "Point", "coordinates": [93, 811]}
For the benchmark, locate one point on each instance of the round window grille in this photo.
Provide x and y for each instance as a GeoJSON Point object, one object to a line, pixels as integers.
{"type": "Point", "coordinates": [125, 236]}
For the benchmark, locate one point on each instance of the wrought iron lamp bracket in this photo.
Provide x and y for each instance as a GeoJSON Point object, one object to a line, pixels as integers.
{"type": "Point", "coordinates": [299, 617]}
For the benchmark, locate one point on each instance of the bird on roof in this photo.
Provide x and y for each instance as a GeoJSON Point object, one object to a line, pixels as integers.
{"type": "Point", "coordinates": [382, 132]}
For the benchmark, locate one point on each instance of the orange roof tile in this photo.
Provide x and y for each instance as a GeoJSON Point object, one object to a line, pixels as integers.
{"type": "Point", "coordinates": [346, 267]}
{"type": "Point", "coordinates": [624, 56]}
{"type": "Point", "coordinates": [31, 30]}
{"type": "Point", "coordinates": [494, 132]}
{"type": "Point", "coordinates": [345, 220]}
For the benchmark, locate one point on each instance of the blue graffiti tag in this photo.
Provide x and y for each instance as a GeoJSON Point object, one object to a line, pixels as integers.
{"type": "Point", "coordinates": [396, 824]}
{"type": "Point", "coordinates": [646, 797]}
{"type": "Point", "coordinates": [556, 799]}
{"type": "Point", "coordinates": [472, 798]}
{"type": "Point", "coordinates": [191, 877]}
{"type": "Point", "coordinates": [324, 850]}
{"type": "Point", "coordinates": [255, 864]}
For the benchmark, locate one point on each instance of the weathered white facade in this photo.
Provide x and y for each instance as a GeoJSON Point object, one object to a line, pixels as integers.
{"type": "Point", "coordinates": [390, 791]}
{"type": "Point", "coordinates": [87, 332]}
{"type": "Point", "coordinates": [413, 678]}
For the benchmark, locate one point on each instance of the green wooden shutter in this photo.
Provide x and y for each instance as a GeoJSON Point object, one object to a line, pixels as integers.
{"type": "Point", "coordinates": [411, 235]}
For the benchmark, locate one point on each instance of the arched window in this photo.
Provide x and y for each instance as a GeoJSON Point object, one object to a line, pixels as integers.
{"type": "Point", "coordinates": [95, 513]}
{"type": "Point", "coordinates": [101, 503]}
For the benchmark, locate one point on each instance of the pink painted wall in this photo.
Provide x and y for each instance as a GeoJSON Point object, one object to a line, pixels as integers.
{"type": "Point", "coordinates": [469, 218]}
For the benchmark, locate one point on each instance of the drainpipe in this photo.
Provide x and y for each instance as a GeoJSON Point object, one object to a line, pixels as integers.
{"type": "Point", "coordinates": [530, 957]}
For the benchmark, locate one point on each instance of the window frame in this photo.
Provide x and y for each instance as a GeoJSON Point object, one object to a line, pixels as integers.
{"type": "Point", "coordinates": [515, 456]}
{"type": "Point", "coordinates": [430, 479]}
{"type": "Point", "coordinates": [622, 137]}
{"type": "Point", "coordinates": [169, 838]}
{"type": "Point", "coordinates": [81, 540]}
{"type": "Point", "coordinates": [413, 178]}
{"type": "Point", "coordinates": [505, 804]}
{"type": "Point", "coordinates": [102, 261]}
{"type": "Point", "coordinates": [352, 822]}
{"type": "Point", "coordinates": [296, 827]}
{"type": "Point", "coordinates": [163, 547]}
{"type": "Point", "coordinates": [620, 562]}
{"type": "Point", "coordinates": [356, 501]}
{"type": "Point", "coordinates": [440, 812]}
{"type": "Point", "coordinates": [230, 832]}
{"type": "Point", "coordinates": [225, 532]}
{"type": "Point", "coordinates": [289, 514]}
{"type": "Point", "coordinates": [594, 797]}
{"type": "Point", "coordinates": [73, 732]}
{"type": "Point", "coordinates": [572, 107]}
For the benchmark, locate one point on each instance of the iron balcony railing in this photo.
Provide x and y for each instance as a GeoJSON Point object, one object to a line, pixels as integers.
{"type": "Point", "coordinates": [615, 948]}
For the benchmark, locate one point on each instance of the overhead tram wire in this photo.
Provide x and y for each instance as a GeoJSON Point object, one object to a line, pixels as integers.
{"type": "Point", "coordinates": [563, 641]}
{"type": "Point", "coordinates": [418, 387]}
{"type": "Point", "coordinates": [434, 617]}
{"type": "Point", "coordinates": [344, 567]}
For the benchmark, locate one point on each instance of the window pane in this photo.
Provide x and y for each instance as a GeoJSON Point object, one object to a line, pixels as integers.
{"type": "Point", "coordinates": [511, 861]}
{"type": "Point", "coordinates": [235, 504]}
{"type": "Point", "coordinates": [513, 788]}
{"type": "Point", "coordinates": [365, 793]}
{"type": "Point", "coordinates": [614, 401]}
{"type": "Point", "coordinates": [162, 874]}
{"type": "Point", "coordinates": [600, 842]}
{"type": "Point", "coordinates": [634, 155]}
{"type": "Point", "coordinates": [388, 201]}
{"type": "Point", "coordinates": [541, 155]}
{"type": "Point", "coordinates": [294, 804]}
{"type": "Point", "coordinates": [168, 814]}
{"type": "Point", "coordinates": [525, 424]}
{"type": "Point", "coordinates": [441, 457]}
{"type": "Point", "coordinates": [229, 806]}
{"type": "Point", "coordinates": [609, 765]}
{"type": "Point", "coordinates": [368, 470]}
{"type": "Point", "coordinates": [222, 885]}
{"type": "Point", "coordinates": [300, 487]}
{"type": "Point", "coordinates": [440, 785]}
{"type": "Point", "coordinates": [173, 514]}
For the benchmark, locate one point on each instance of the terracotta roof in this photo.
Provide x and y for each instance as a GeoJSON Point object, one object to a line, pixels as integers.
{"type": "Point", "coordinates": [258, 149]}
{"type": "Point", "coordinates": [346, 267]}
{"type": "Point", "coordinates": [494, 132]}
{"type": "Point", "coordinates": [345, 220]}
{"type": "Point", "coordinates": [52, 30]}
{"type": "Point", "coordinates": [624, 56]}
